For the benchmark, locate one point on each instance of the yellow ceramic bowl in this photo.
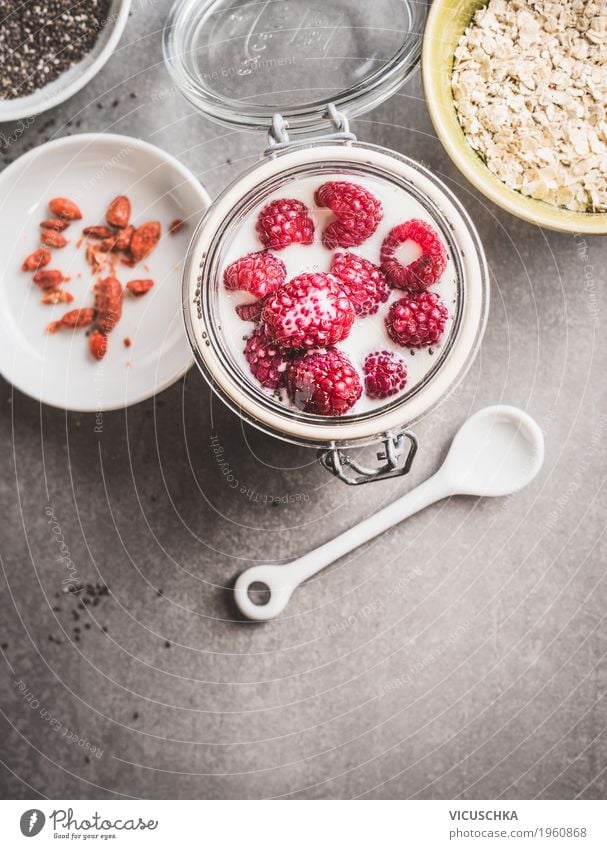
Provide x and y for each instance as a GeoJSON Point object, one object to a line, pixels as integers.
{"type": "Point", "coordinates": [446, 23]}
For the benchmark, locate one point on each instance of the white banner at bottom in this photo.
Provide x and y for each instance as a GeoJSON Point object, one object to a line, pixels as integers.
{"type": "Point", "coordinates": [305, 824]}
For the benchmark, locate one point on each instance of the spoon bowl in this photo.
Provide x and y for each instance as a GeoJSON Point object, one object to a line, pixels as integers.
{"type": "Point", "coordinates": [497, 451]}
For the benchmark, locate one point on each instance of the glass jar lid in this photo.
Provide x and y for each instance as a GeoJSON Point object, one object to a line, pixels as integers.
{"type": "Point", "coordinates": [240, 62]}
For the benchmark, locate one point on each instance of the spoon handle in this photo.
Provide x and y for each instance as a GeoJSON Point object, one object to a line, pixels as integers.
{"type": "Point", "coordinates": [281, 581]}
{"type": "Point", "coordinates": [417, 499]}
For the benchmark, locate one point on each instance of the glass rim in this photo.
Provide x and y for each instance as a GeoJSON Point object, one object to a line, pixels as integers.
{"type": "Point", "coordinates": [375, 88]}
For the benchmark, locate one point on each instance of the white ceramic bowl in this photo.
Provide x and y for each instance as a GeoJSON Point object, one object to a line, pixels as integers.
{"type": "Point", "coordinates": [91, 169]}
{"type": "Point", "coordinates": [74, 78]}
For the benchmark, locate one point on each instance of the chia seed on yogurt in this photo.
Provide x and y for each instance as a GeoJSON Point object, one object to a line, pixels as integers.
{"type": "Point", "coordinates": [39, 39]}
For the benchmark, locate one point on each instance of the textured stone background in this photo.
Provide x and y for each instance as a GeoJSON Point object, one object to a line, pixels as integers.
{"type": "Point", "coordinates": [462, 654]}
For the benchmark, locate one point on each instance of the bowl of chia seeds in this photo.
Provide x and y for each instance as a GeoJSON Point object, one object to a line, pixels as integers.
{"type": "Point", "coordinates": [50, 49]}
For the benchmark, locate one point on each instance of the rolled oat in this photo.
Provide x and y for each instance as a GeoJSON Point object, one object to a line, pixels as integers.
{"type": "Point", "coordinates": [530, 90]}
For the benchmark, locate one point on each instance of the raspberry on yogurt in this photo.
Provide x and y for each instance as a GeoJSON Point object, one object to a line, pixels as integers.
{"type": "Point", "coordinates": [417, 321]}
{"type": "Point", "coordinates": [427, 269]}
{"type": "Point", "coordinates": [324, 383]}
{"type": "Point", "coordinates": [250, 311]}
{"type": "Point", "coordinates": [363, 282]}
{"type": "Point", "coordinates": [267, 360]}
{"type": "Point", "coordinates": [357, 212]}
{"type": "Point", "coordinates": [312, 311]}
{"type": "Point", "coordinates": [284, 222]}
{"type": "Point", "coordinates": [385, 374]}
{"type": "Point", "coordinates": [258, 273]}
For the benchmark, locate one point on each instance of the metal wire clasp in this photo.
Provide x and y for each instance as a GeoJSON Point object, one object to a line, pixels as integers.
{"type": "Point", "coordinates": [338, 463]}
{"type": "Point", "coordinates": [278, 137]}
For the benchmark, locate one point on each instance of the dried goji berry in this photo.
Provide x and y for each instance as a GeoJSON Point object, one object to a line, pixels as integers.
{"type": "Point", "coordinates": [54, 224]}
{"type": "Point", "coordinates": [123, 239]}
{"type": "Point", "coordinates": [145, 239]}
{"type": "Point", "coordinates": [98, 344]}
{"type": "Point", "coordinates": [48, 279]}
{"type": "Point", "coordinates": [73, 319]}
{"type": "Point", "coordinates": [175, 226]}
{"type": "Point", "coordinates": [78, 318]}
{"type": "Point", "coordinates": [119, 212]}
{"type": "Point", "coordinates": [92, 252]}
{"type": "Point", "coordinates": [53, 239]}
{"type": "Point", "coordinates": [97, 232]}
{"type": "Point", "coordinates": [139, 287]}
{"type": "Point", "coordinates": [96, 257]}
{"type": "Point", "coordinates": [38, 259]}
{"type": "Point", "coordinates": [57, 296]}
{"type": "Point", "coordinates": [118, 241]}
{"type": "Point", "coordinates": [127, 342]}
{"type": "Point", "coordinates": [64, 208]}
{"type": "Point", "coordinates": [108, 303]}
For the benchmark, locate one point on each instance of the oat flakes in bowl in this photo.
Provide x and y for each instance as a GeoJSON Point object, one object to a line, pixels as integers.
{"type": "Point", "coordinates": [517, 94]}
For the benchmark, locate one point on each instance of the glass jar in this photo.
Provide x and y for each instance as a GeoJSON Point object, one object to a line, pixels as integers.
{"type": "Point", "coordinates": [201, 39]}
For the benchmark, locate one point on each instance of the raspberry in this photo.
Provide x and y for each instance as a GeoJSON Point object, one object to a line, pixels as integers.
{"type": "Point", "coordinates": [267, 361]}
{"type": "Point", "coordinates": [250, 311]}
{"type": "Point", "coordinates": [312, 311]}
{"type": "Point", "coordinates": [417, 321]}
{"type": "Point", "coordinates": [423, 271]}
{"type": "Point", "coordinates": [283, 222]}
{"type": "Point", "coordinates": [363, 282]}
{"type": "Point", "coordinates": [323, 382]}
{"type": "Point", "coordinates": [358, 213]}
{"type": "Point", "coordinates": [258, 273]}
{"type": "Point", "coordinates": [385, 374]}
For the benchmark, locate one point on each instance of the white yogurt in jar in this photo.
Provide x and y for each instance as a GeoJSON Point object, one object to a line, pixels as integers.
{"type": "Point", "coordinates": [368, 333]}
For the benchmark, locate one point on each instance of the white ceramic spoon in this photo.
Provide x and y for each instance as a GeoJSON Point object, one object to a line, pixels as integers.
{"type": "Point", "coordinates": [497, 451]}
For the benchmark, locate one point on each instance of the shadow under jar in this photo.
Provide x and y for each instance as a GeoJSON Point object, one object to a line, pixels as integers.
{"type": "Point", "coordinates": [225, 58]}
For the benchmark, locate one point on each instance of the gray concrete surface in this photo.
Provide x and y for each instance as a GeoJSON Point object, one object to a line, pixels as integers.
{"type": "Point", "coordinates": [461, 654]}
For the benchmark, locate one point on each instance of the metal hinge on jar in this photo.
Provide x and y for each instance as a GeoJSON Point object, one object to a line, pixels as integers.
{"type": "Point", "coordinates": [278, 137]}
{"type": "Point", "coordinates": [397, 459]}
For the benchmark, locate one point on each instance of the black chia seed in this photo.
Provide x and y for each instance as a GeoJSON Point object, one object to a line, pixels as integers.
{"type": "Point", "coordinates": [39, 39]}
